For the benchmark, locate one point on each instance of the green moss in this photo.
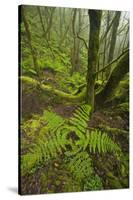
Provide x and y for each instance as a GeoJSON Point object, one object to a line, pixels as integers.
{"type": "Point", "coordinates": [118, 74]}
{"type": "Point", "coordinates": [46, 88]}
{"type": "Point", "coordinates": [120, 94]}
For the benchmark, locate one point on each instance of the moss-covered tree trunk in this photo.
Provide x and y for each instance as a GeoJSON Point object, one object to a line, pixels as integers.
{"type": "Point", "coordinates": [79, 98]}
{"type": "Point", "coordinates": [116, 76]}
{"type": "Point", "coordinates": [95, 21]}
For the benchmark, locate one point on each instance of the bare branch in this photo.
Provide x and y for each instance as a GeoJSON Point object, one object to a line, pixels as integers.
{"type": "Point", "coordinates": [85, 43]}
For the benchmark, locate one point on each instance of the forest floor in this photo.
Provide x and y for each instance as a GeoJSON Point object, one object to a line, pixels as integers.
{"type": "Point", "coordinates": [105, 166]}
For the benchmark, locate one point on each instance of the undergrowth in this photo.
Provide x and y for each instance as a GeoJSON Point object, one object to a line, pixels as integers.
{"type": "Point", "coordinates": [70, 140]}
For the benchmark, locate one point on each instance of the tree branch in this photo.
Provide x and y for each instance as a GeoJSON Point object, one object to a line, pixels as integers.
{"type": "Point", "coordinates": [109, 65]}
{"type": "Point", "coordinates": [85, 43]}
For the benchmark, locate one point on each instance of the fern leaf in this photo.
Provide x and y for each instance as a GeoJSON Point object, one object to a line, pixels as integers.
{"type": "Point", "coordinates": [80, 120]}
{"type": "Point", "coordinates": [98, 141]}
{"type": "Point", "coordinates": [49, 145]}
{"type": "Point", "coordinates": [80, 166]}
{"type": "Point", "coordinates": [53, 120]}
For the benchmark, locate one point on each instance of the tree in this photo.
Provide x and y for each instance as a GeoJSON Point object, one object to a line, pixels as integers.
{"type": "Point", "coordinates": [45, 32]}
{"type": "Point", "coordinates": [113, 38]}
{"type": "Point", "coordinates": [121, 68]}
{"type": "Point", "coordinates": [116, 76]}
{"type": "Point", "coordinates": [105, 41]}
{"type": "Point", "coordinates": [95, 21]}
{"type": "Point", "coordinates": [76, 28]}
{"type": "Point", "coordinates": [28, 34]}
{"type": "Point", "coordinates": [77, 56]}
{"type": "Point", "coordinates": [87, 90]}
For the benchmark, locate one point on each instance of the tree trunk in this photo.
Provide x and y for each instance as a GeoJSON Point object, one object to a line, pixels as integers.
{"type": "Point", "coordinates": [74, 41]}
{"type": "Point", "coordinates": [28, 34]}
{"type": "Point", "coordinates": [105, 42]}
{"type": "Point", "coordinates": [116, 76]}
{"type": "Point", "coordinates": [44, 32]}
{"type": "Point", "coordinates": [49, 16]}
{"type": "Point", "coordinates": [77, 56]}
{"type": "Point", "coordinates": [95, 21]}
{"type": "Point", "coordinates": [113, 39]}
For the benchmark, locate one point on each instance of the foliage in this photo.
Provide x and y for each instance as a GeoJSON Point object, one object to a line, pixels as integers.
{"type": "Point", "coordinates": [70, 138]}
{"type": "Point", "coordinates": [50, 141]}
{"type": "Point", "coordinates": [93, 183]}
{"type": "Point", "coordinates": [123, 107]}
{"type": "Point", "coordinates": [98, 142]}
{"type": "Point", "coordinates": [80, 166]}
{"type": "Point", "coordinates": [65, 59]}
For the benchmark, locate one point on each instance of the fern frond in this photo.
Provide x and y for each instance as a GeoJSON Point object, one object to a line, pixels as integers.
{"type": "Point", "coordinates": [53, 120]}
{"type": "Point", "coordinates": [80, 166]}
{"type": "Point", "coordinates": [80, 120]}
{"type": "Point", "coordinates": [81, 116]}
{"type": "Point", "coordinates": [47, 147]}
{"type": "Point", "coordinates": [98, 141]}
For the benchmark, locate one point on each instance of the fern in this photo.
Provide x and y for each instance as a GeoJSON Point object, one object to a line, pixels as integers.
{"type": "Point", "coordinates": [53, 120]}
{"type": "Point", "coordinates": [51, 142]}
{"type": "Point", "coordinates": [98, 142]}
{"type": "Point", "coordinates": [69, 137]}
{"type": "Point", "coordinates": [80, 166]}
{"type": "Point", "coordinates": [80, 119]}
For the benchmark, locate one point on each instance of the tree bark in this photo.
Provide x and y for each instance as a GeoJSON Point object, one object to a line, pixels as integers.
{"type": "Point", "coordinates": [113, 39]}
{"type": "Point", "coordinates": [105, 42]}
{"type": "Point", "coordinates": [95, 21]}
{"type": "Point", "coordinates": [116, 76]}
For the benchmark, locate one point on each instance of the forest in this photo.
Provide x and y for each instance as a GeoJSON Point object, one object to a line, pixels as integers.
{"type": "Point", "coordinates": [74, 99]}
